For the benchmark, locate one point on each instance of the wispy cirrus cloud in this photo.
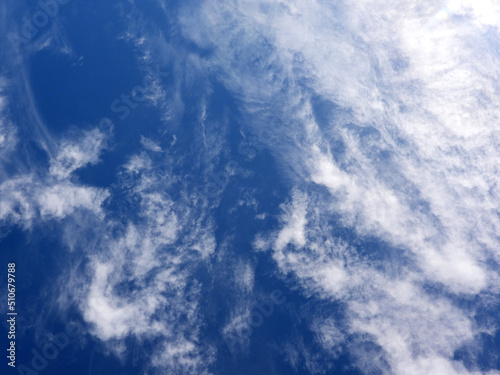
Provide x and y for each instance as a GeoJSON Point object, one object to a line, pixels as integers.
{"type": "Point", "coordinates": [391, 109]}
{"type": "Point", "coordinates": [79, 151]}
{"type": "Point", "coordinates": [382, 118]}
{"type": "Point", "coordinates": [51, 194]}
{"type": "Point", "coordinates": [8, 132]}
{"type": "Point", "coordinates": [141, 275]}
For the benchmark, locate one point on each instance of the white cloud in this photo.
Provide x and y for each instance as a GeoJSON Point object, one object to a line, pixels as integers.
{"type": "Point", "coordinates": [295, 220]}
{"type": "Point", "coordinates": [141, 279]}
{"type": "Point", "coordinates": [61, 200]}
{"type": "Point", "coordinates": [8, 133]}
{"type": "Point", "coordinates": [409, 158]}
{"type": "Point", "coordinates": [26, 200]}
{"type": "Point", "coordinates": [34, 197]}
{"type": "Point", "coordinates": [415, 97]}
{"type": "Point", "coordinates": [77, 152]}
{"type": "Point", "coordinates": [236, 330]}
{"type": "Point", "coordinates": [15, 205]}
{"type": "Point", "coordinates": [149, 144]}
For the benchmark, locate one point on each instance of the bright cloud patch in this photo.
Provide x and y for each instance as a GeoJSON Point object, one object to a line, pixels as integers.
{"type": "Point", "coordinates": [34, 196]}
{"type": "Point", "coordinates": [78, 152]}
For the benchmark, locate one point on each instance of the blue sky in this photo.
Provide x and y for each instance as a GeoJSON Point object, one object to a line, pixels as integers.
{"type": "Point", "coordinates": [167, 167]}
